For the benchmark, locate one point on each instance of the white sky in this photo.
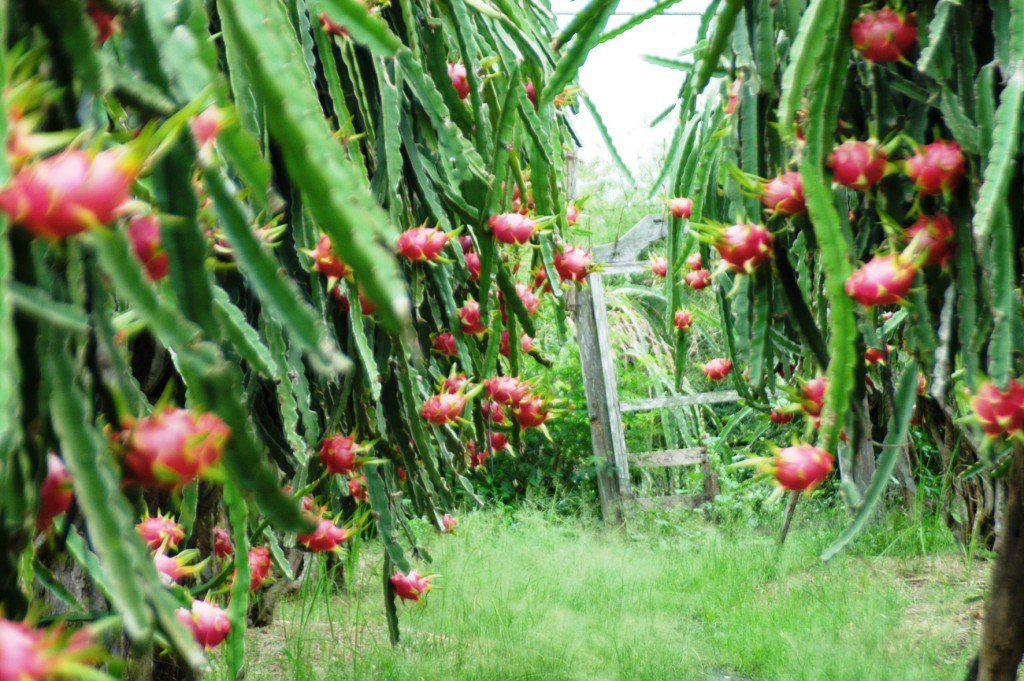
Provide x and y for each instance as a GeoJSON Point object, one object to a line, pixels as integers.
{"type": "Point", "coordinates": [627, 91]}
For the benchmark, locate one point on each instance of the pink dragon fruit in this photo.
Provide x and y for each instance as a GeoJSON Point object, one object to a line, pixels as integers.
{"type": "Point", "coordinates": [745, 246]}
{"type": "Point", "coordinates": [208, 622]}
{"type": "Point", "coordinates": [454, 383]}
{"type": "Point", "coordinates": [259, 566]}
{"type": "Point", "coordinates": [525, 341]}
{"type": "Point", "coordinates": [144, 234]}
{"type": "Point", "coordinates": [172, 447]}
{"type": "Point", "coordinates": [339, 454]}
{"type": "Point", "coordinates": [698, 279]}
{"type": "Point", "coordinates": [474, 265]}
{"type": "Point", "coordinates": [327, 263]}
{"type": "Point", "coordinates": [410, 587]}
{"type": "Point", "coordinates": [717, 369]}
{"type": "Point", "coordinates": [161, 531]}
{"type": "Point", "coordinates": [422, 244]}
{"type": "Point", "coordinates": [573, 264]}
{"type": "Point", "coordinates": [937, 168]}
{"type": "Point", "coordinates": [937, 237]}
{"type": "Point", "coordinates": [71, 192]}
{"type": "Point", "coordinates": [883, 280]}
{"type": "Point", "coordinates": [694, 262]}
{"type": "Point", "coordinates": [800, 467]}
{"type": "Point", "coordinates": [780, 417]}
{"type": "Point", "coordinates": [506, 390]}
{"type": "Point", "coordinates": [683, 319]}
{"type": "Point", "coordinates": [681, 207]}
{"type": "Point", "coordinates": [884, 35]}
{"type": "Point", "coordinates": [457, 74]}
{"type": "Point", "coordinates": [444, 408]}
{"type": "Point", "coordinates": [1000, 412]}
{"type": "Point", "coordinates": [222, 546]}
{"type": "Point", "coordinates": [858, 165]}
{"type": "Point", "coordinates": [469, 319]}
{"type": "Point", "coordinates": [532, 412]}
{"type": "Point", "coordinates": [207, 125]}
{"type": "Point", "coordinates": [493, 412]}
{"type": "Point", "coordinates": [784, 195]}
{"type": "Point", "coordinates": [55, 494]}
{"type": "Point", "coordinates": [444, 344]}
{"type": "Point", "coordinates": [512, 228]}
{"type": "Point", "coordinates": [449, 523]}
{"type": "Point", "coordinates": [659, 266]}
{"type": "Point", "coordinates": [572, 214]}
{"type": "Point", "coordinates": [326, 537]}
{"type": "Point", "coordinates": [357, 488]}
{"type": "Point", "coordinates": [174, 569]}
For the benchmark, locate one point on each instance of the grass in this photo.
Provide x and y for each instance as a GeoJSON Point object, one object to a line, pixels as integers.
{"type": "Point", "coordinates": [523, 595]}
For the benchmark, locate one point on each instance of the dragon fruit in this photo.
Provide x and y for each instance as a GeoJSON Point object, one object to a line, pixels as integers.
{"type": "Point", "coordinates": [457, 74]}
{"type": "Point", "coordinates": [858, 165]}
{"type": "Point", "coordinates": [174, 569]}
{"type": "Point", "coordinates": [357, 488]}
{"type": "Point", "coordinates": [525, 341]}
{"type": "Point", "coordinates": [326, 537]}
{"type": "Point", "coordinates": [532, 412]}
{"type": "Point", "coordinates": [259, 566]}
{"type": "Point", "coordinates": [493, 412]}
{"type": "Point", "coordinates": [326, 262]}
{"type": "Point", "coordinates": [681, 207]}
{"type": "Point", "coordinates": [55, 494]}
{"type": "Point", "coordinates": [206, 126]}
{"type": "Point", "coordinates": [410, 587]}
{"type": "Point", "coordinates": [883, 280]}
{"type": "Point", "coordinates": [208, 622]}
{"type": "Point", "coordinates": [800, 467]}
{"type": "Point", "coordinates": [884, 35]}
{"type": "Point", "coordinates": [717, 369]}
{"type": "Point", "coordinates": [698, 279]}
{"type": "Point", "coordinates": [683, 319]}
{"type": "Point", "coordinates": [784, 195]}
{"type": "Point", "coordinates": [339, 454]}
{"type": "Point", "coordinates": [444, 408]}
{"type": "Point", "coordinates": [506, 390]}
{"type": "Point", "coordinates": [572, 214]}
{"type": "Point", "coordinates": [937, 168]}
{"type": "Point", "coordinates": [29, 654]}
{"type": "Point", "coordinates": [1000, 412]}
{"type": "Point", "coordinates": [222, 546]}
{"type": "Point", "coordinates": [469, 319]}
{"type": "Point", "coordinates": [454, 383]}
{"type": "Point", "coordinates": [161, 531]}
{"type": "Point", "coordinates": [875, 356]}
{"type": "Point", "coordinates": [531, 93]}
{"type": "Point", "coordinates": [422, 244]}
{"type": "Point", "coordinates": [512, 228]}
{"type": "Point", "coordinates": [172, 447]}
{"type": "Point", "coordinates": [474, 265]}
{"type": "Point", "coordinates": [107, 24]}
{"type": "Point", "coordinates": [573, 264]}
{"type": "Point", "coordinates": [144, 235]}
{"type": "Point", "coordinates": [745, 246]}
{"type": "Point", "coordinates": [67, 194]}
{"type": "Point", "coordinates": [936, 235]}
{"type": "Point", "coordinates": [444, 344]}
{"type": "Point", "coordinates": [780, 416]}
{"type": "Point", "coordinates": [449, 523]}
{"type": "Point", "coordinates": [477, 458]}
{"type": "Point", "coordinates": [695, 262]}
{"type": "Point", "coordinates": [659, 266]}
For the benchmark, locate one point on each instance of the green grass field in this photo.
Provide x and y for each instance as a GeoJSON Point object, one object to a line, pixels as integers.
{"type": "Point", "coordinates": [525, 596]}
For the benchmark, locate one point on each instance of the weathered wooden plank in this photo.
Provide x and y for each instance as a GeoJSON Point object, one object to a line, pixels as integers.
{"type": "Point", "coordinates": [582, 306]}
{"type": "Point", "coordinates": [611, 385]}
{"type": "Point", "coordinates": [630, 245]}
{"type": "Point", "coordinates": [671, 501]}
{"type": "Point", "coordinates": [681, 401]}
{"type": "Point", "coordinates": [669, 457]}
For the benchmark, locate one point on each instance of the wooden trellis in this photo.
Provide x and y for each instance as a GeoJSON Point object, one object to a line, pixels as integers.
{"type": "Point", "coordinates": [601, 385]}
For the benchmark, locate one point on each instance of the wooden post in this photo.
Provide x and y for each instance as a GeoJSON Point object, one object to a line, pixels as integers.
{"type": "Point", "coordinates": [597, 405]}
{"type": "Point", "coordinates": [611, 383]}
